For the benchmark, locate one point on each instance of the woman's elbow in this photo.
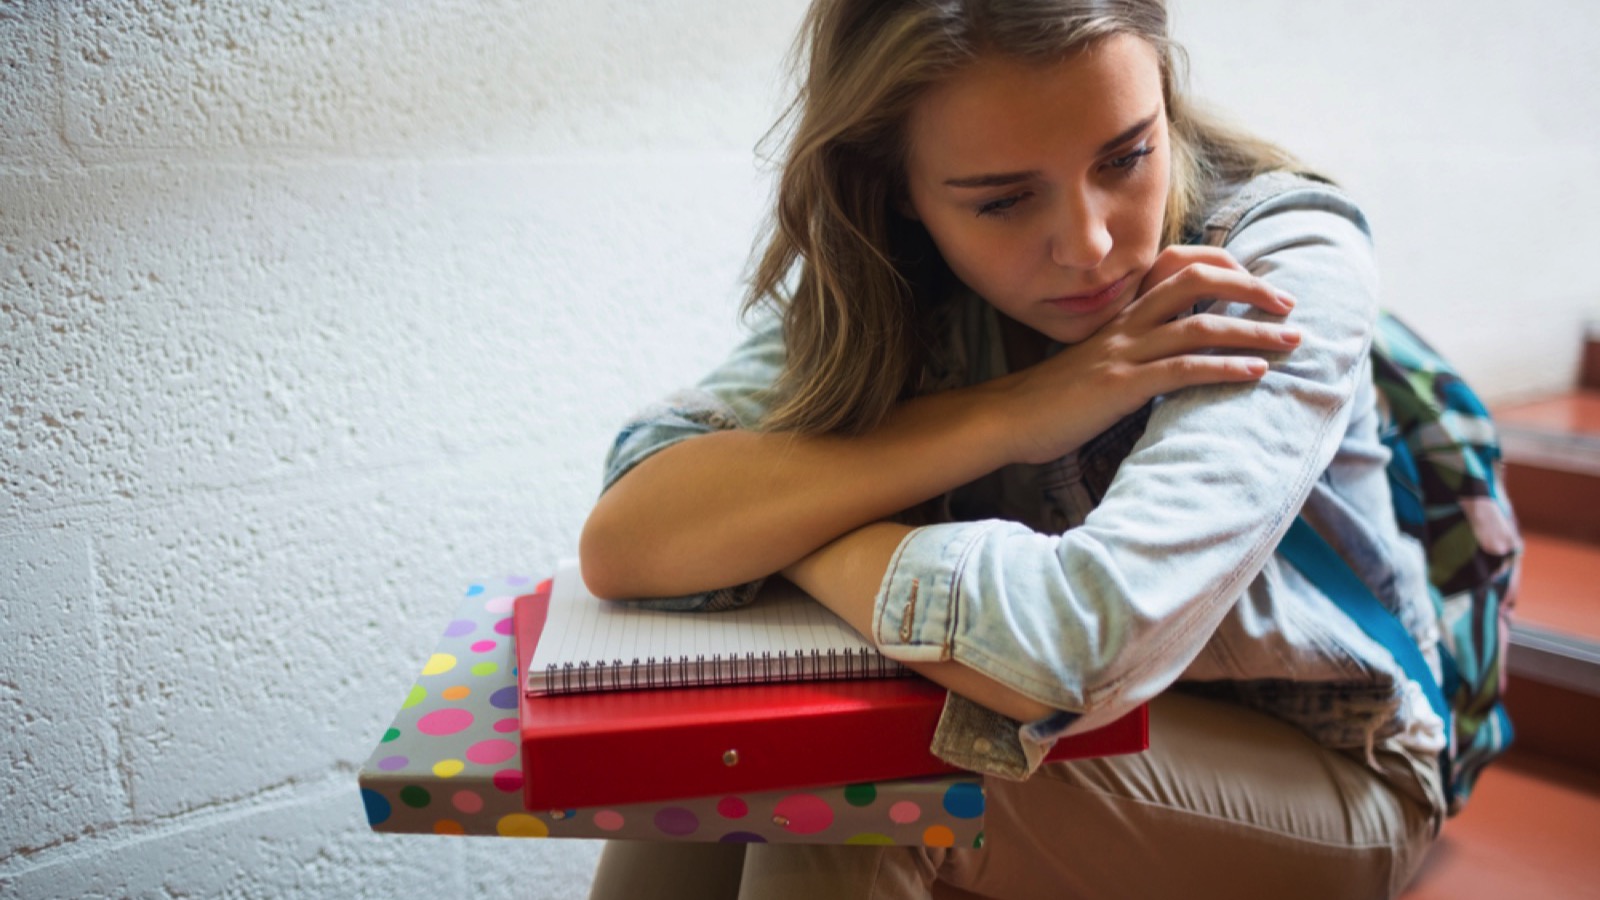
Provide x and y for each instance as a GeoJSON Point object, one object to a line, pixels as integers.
{"type": "Point", "coordinates": [602, 556]}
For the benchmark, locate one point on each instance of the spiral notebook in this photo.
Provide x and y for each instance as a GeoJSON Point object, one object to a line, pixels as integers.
{"type": "Point", "coordinates": [589, 644]}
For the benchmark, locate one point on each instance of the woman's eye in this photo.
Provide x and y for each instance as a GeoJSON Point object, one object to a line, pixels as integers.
{"type": "Point", "coordinates": [1130, 160]}
{"type": "Point", "coordinates": [1001, 206]}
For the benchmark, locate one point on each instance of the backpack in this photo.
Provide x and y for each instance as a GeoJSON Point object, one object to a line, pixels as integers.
{"type": "Point", "coordinates": [1447, 480]}
{"type": "Point", "coordinates": [1448, 492]}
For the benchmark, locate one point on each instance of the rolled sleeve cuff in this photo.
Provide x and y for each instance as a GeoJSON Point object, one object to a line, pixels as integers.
{"type": "Point", "coordinates": [711, 601]}
{"type": "Point", "coordinates": [681, 416]}
{"type": "Point", "coordinates": [915, 613]}
{"type": "Point", "coordinates": [979, 739]}
{"type": "Point", "coordinates": [917, 609]}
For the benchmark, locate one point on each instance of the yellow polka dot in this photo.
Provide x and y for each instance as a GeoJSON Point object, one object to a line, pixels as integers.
{"type": "Point", "coordinates": [416, 696]}
{"type": "Point", "coordinates": [939, 836]}
{"type": "Point", "coordinates": [438, 664]}
{"type": "Point", "coordinates": [455, 693]}
{"type": "Point", "coordinates": [448, 826]}
{"type": "Point", "coordinates": [448, 768]}
{"type": "Point", "coordinates": [521, 825]}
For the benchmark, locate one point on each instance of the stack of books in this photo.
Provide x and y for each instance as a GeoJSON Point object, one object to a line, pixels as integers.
{"type": "Point", "coordinates": [626, 704]}
{"type": "Point", "coordinates": [546, 713]}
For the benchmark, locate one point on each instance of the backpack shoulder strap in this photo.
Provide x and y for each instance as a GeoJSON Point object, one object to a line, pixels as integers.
{"type": "Point", "coordinates": [1309, 552]}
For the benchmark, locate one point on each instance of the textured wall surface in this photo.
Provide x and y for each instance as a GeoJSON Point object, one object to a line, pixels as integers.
{"type": "Point", "coordinates": [310, 312]}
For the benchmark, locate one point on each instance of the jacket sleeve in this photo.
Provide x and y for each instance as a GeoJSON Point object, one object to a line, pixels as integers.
{"type": "Point", "coordinates": [736, 394]}
{"type": "Point", "coordinates": [1104, 617]}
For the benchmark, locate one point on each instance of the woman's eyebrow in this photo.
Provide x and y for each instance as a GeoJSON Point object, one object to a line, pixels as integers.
{"type": "Point", "coordinates": [996, 179]}
{"type": "Point", "coordinates": [1128, 134]}
{"type": "Point", "coordinates": [1000, 179]}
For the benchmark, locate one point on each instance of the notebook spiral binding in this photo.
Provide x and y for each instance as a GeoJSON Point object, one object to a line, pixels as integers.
{"type": "Point", "coordinates": [720, 670]}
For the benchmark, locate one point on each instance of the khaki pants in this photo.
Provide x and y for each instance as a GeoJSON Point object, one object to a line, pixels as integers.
{"type": "Point", "coordinates": [1226, 803]}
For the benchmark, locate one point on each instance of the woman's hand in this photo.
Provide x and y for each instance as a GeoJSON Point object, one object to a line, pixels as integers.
{"type": "Point", "coordinates": [727, 507]}
{"type": "Point", "coordinates": [1054, 407]}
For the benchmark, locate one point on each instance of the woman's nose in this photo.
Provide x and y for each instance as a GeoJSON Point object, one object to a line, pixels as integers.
{"type": "Point", "coordinates": [1081, 238]}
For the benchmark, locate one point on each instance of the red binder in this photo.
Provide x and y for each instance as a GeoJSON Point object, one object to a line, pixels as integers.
{"type": "Point", "coordinates": [603, 749]}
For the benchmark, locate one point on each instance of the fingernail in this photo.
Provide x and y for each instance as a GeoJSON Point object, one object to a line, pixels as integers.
{"type": "Point", "coordinates": [1285, 299]}
{"type": "Point", "coordinates": [1290, 335]}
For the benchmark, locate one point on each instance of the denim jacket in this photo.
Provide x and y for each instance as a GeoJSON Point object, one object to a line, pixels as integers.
{"type": "Point", "coordinates": [1146, 559]}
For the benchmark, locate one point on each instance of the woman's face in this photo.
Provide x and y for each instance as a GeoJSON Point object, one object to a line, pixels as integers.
{"type": "Point", "coordinates": [1044, 186]}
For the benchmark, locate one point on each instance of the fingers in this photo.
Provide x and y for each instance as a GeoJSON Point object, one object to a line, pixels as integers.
{"type": "Point", "coordinates": [1202, 281]}
{"type": "Point", "coordinates": [1173, 373]}
{"type": "Point", "coordinates": [1174, 258]}
{"type": "Point", "coordinates": [1194, 334]}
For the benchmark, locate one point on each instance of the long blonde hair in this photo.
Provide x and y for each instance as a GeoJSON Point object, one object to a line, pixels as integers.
{"type": "Point", "coordinates": [858, 319]}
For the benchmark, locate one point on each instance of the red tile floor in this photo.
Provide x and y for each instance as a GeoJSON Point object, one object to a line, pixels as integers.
{"type": "Point", "coordinates": [1531, 830]}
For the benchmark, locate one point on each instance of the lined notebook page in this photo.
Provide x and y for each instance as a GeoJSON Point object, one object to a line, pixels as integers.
{"type": "Point", "coordinates": [590, 644]}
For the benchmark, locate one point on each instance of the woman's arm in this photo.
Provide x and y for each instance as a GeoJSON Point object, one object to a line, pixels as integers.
{"type": "Point", "coordinates": [1109, 614]}
{"type": "Point", "coordinates": [844, 576]}
{"type": "Point", "coordinates": [733, 506]}
{"type": "Point", "coordinates": [727, 507]}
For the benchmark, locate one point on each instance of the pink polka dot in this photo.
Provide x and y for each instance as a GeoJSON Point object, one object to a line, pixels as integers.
{"type": "Point", "coordinates": [467, 801]}
{"type": "Point", "coordinates": [500, 604]}
{"type": "Point", "coordinates": [484, 646]}
{"type": "Point", "coordinates": [732, 808]}
{"type": "Point", "coordinates": [508, 780]}
{"type": "Point", "coordinates": [503, 626]}
{"type": "Point", "coordinates": [444, 721]}
{"type": "Point", "coordinates": [608, 820]}
{"type": "Point", "coordinates": [904, 812]}
{"type": "Point", "coordinates": [506, 725]}
{"type": "Point", "coordinates": [803, 813]}
{"type": "Point", "coordinates": [491, 751]}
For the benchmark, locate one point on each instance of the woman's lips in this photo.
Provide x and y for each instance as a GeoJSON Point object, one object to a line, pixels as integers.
{"type": "Point", "coordinates": [1086, 303]}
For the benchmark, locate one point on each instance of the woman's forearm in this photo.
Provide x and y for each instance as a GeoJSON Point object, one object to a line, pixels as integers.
{"type": "Point", "coordinates": [844, 576]}
{"type": "Point", "coordinates": [725, 508]}
{"type": "Point", "coordinates": [732, 506]}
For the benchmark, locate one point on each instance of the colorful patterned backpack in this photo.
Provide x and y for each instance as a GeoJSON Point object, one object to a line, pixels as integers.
{"type": "Point", "coordinates": [1445, 475]}
{"type": "Point", "coordinates": [1449, 493]}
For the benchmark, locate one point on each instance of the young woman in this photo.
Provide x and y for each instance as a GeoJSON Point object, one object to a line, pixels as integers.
{"type": "Point", "coordinates": [1055, 361]}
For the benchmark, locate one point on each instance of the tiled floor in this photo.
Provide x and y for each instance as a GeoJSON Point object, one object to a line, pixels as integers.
{"type": "Point", "coordinates": [1560, 587]}
{"type": "Point", "coordinates": [1574, 413]}
{"type": "Point", "coordinates": [1552, 452]}
{"type": "Point", "coordinates": [1531, 830]}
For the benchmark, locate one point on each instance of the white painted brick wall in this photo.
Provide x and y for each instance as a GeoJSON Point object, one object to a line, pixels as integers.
{"type": "Point", "coordinates": [311, 312]}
